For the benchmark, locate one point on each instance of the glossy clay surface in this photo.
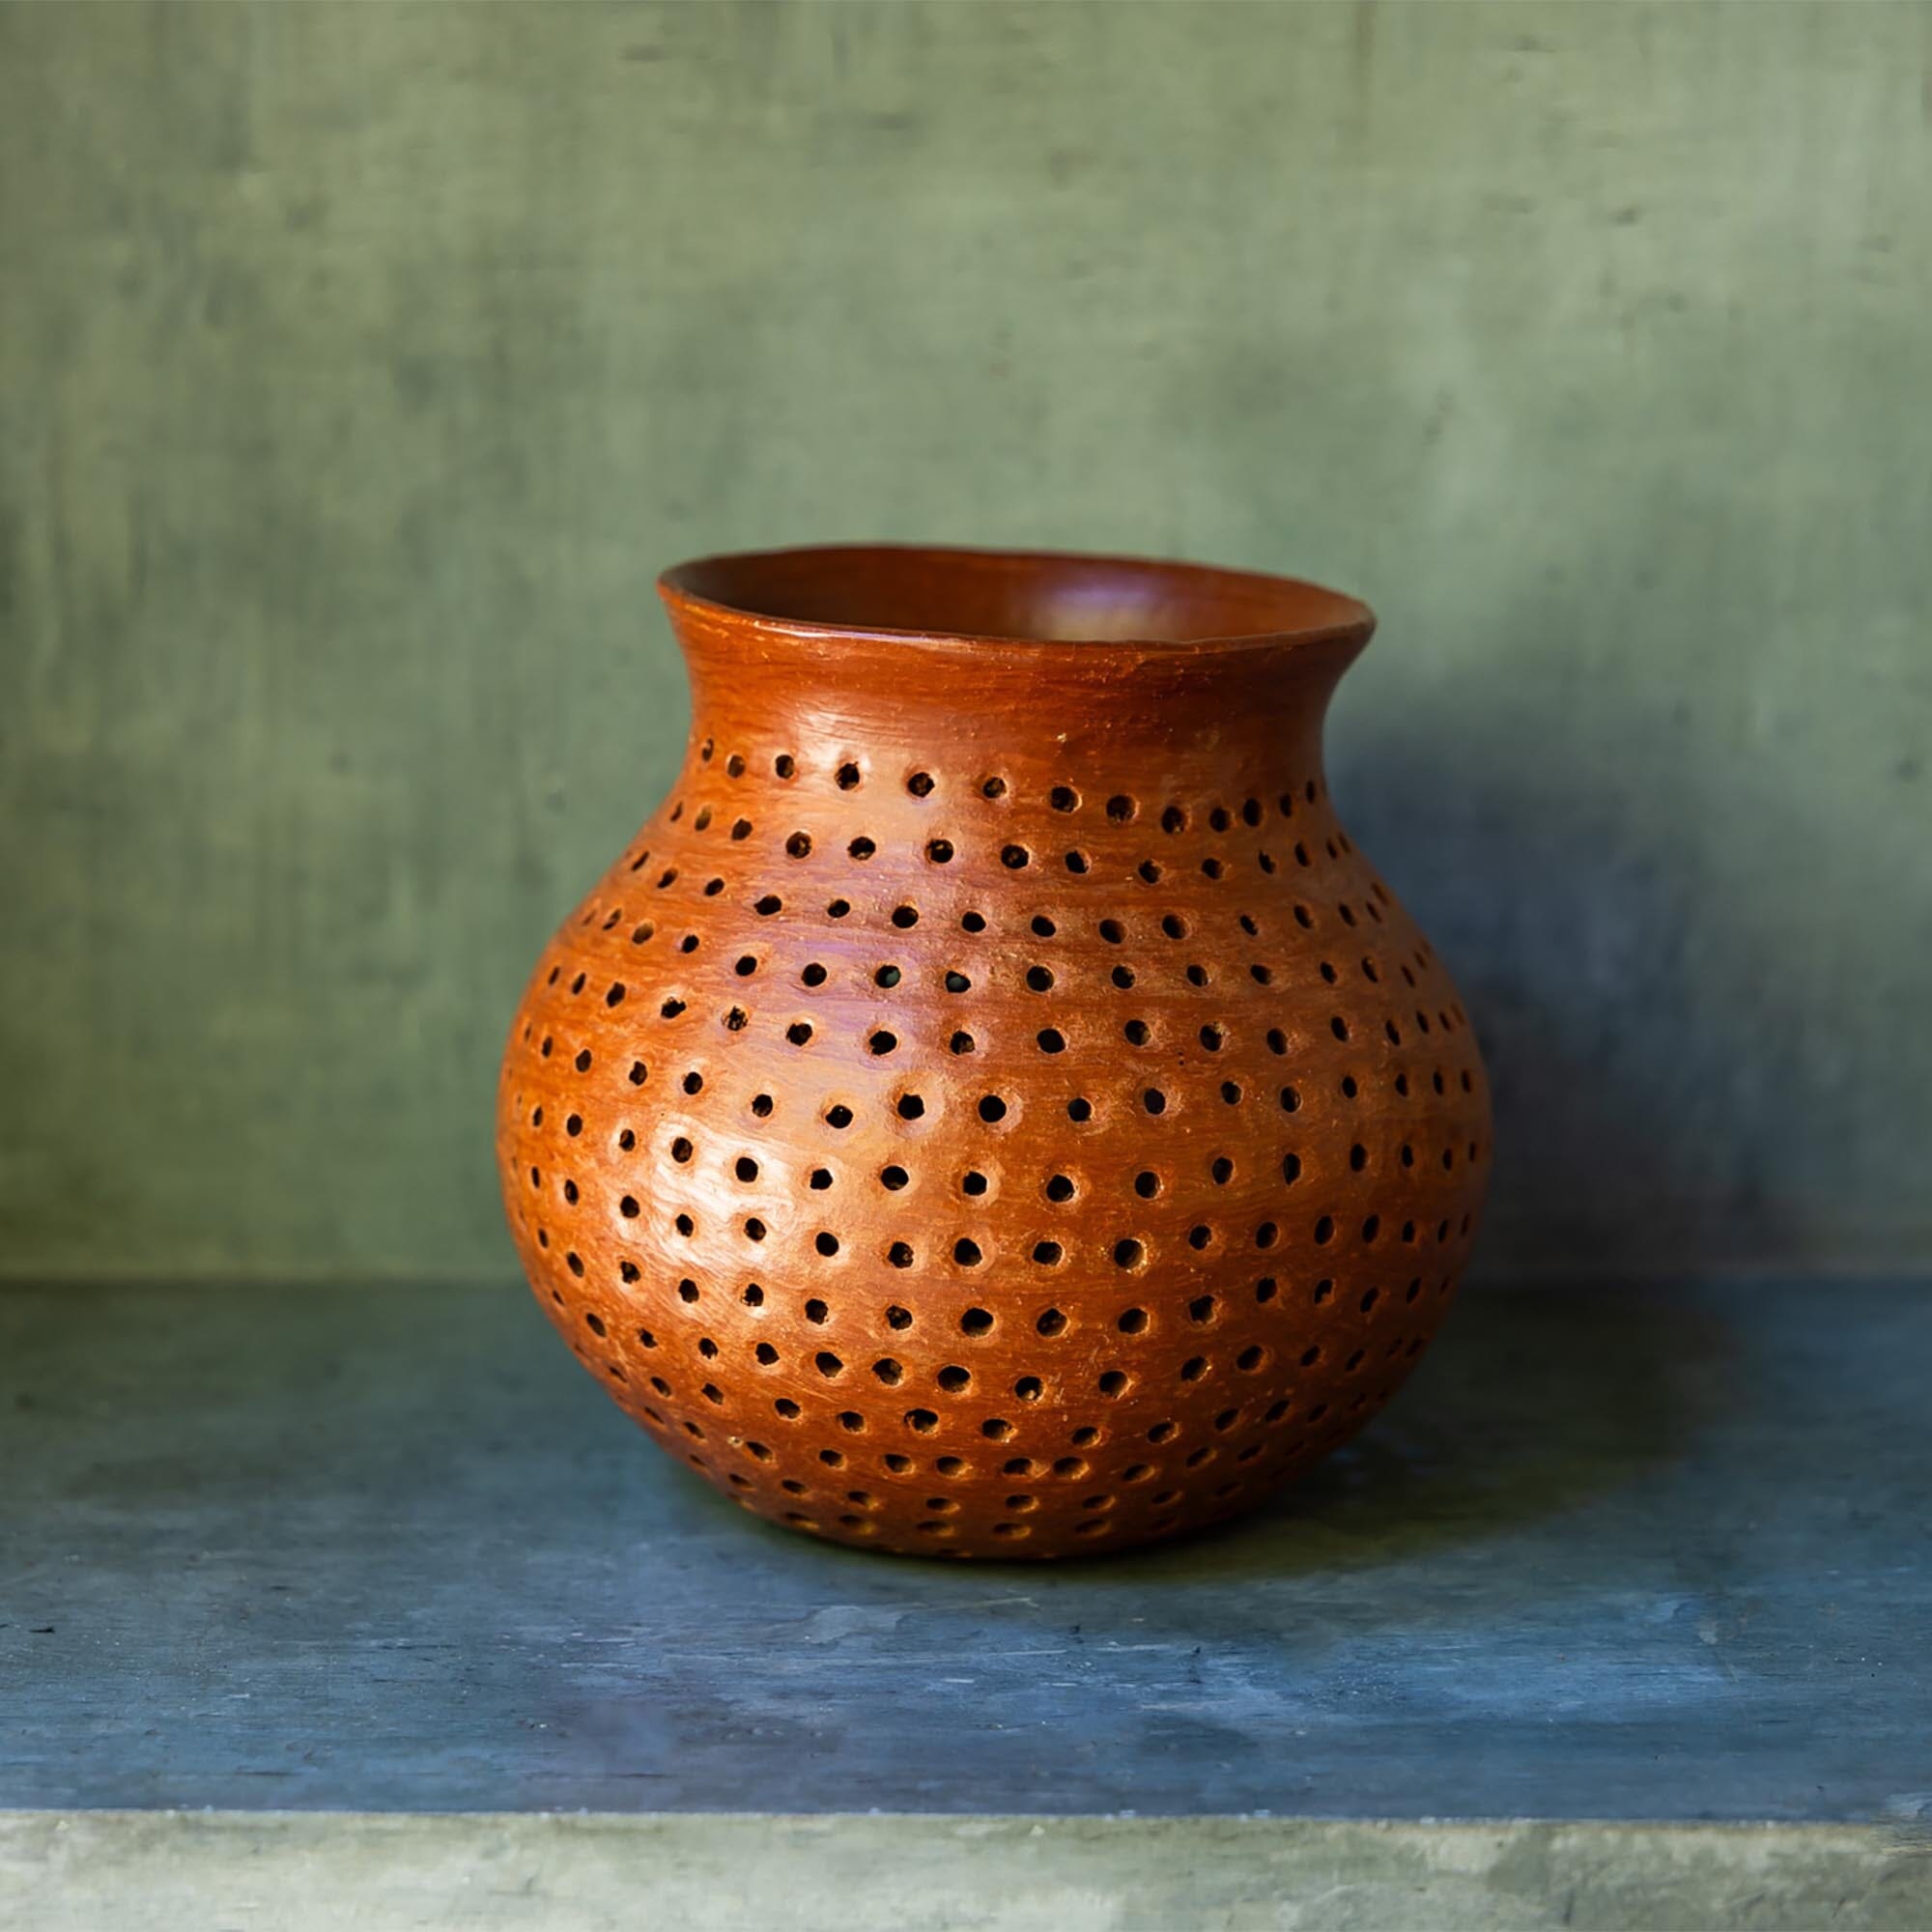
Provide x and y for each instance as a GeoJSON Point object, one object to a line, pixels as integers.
{"type": "Point", "coordinates": [992, 1109]}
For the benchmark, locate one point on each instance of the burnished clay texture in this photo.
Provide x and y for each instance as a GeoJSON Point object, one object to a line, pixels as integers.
{"type": "Point", "coordinates": [992, 1109]}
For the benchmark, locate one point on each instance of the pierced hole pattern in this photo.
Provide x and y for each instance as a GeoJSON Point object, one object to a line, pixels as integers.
{"type": "Point", "coordinates": [927, 1191]}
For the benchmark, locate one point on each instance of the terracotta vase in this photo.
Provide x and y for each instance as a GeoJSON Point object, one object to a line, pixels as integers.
{"type": "Point", "coordinates": [992, 1109]}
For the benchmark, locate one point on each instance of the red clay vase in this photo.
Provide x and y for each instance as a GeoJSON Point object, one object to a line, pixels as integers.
{"type": "Point", "coordinates": [992, 1109]}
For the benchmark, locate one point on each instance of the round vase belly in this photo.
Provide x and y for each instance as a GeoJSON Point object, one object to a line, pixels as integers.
{"type": "Point", "coordinates": [992, 1109]}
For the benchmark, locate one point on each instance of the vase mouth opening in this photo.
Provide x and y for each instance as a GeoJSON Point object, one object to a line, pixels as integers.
{"type": "Point", "coordinates": [1016, 598]}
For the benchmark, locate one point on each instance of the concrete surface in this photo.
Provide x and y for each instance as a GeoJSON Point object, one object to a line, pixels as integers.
{"type": "Point", "coordinates": [359, 367]}
{"type": "Point", "coordinates": [177, 1872]}
{"type": "Point", "coordinates": [1617, 1555]}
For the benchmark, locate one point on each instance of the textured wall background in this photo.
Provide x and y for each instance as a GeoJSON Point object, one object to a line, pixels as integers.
{"type": "Point", "coordinates": [359, 367]}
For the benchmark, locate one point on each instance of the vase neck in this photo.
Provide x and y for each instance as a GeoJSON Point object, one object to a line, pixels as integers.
{"type": "Point", "coordinates": [1253, 705]}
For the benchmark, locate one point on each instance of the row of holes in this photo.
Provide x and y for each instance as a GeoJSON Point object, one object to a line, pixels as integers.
{"type": "Point", "coordinates": [1042, 925]}
{"type": "Point", "coordinates": [956, 1377]}
{"type": "Point", "coordinates": [1203, 1311]}
{"type": "Point", "coordinates": [882, 1041]}
{"type": "Point", "coordinates": [1014, 857]}
{"type": "Point", "coordinates": [1129, 1252]}
{"type": "Point", "coordinates": [1030, 1389]}
{"type": "Point", "coordinates": [840, 1117]}
{"type": "Point", "coordinates": [1120, 807]}
{"type": "Point", "coordinates": [1036, 978]}
{"type": "Point", "coordinates": [994, 1108]}
{"type": "Point", "coordinates": [973, 1184]}
{"type": "Point", "coordinates": [1213, 1035]}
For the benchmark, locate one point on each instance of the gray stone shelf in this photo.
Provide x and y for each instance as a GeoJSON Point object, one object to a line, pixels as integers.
{"type": "Point", "coordinates": [1630, 1554]}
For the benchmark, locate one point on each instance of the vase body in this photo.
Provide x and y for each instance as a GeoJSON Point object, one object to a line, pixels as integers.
{"type": "Point", "coordinates": [991, 1109]}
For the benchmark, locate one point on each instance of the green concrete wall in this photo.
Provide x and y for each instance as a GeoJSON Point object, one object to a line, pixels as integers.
{"type": "Point", "coordinates": [360, 364]}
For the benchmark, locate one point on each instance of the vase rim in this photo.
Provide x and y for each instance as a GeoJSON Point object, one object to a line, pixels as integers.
{"type": "Point", "coordinates": [948, 596]}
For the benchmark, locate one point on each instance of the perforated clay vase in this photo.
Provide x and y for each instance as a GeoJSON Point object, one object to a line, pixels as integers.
{"type": "Point", "coordinates": [992, 1109]}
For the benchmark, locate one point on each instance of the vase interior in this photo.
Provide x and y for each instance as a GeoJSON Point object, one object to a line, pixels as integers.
{"type": "Point", "coordinates": [1014, 596]}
